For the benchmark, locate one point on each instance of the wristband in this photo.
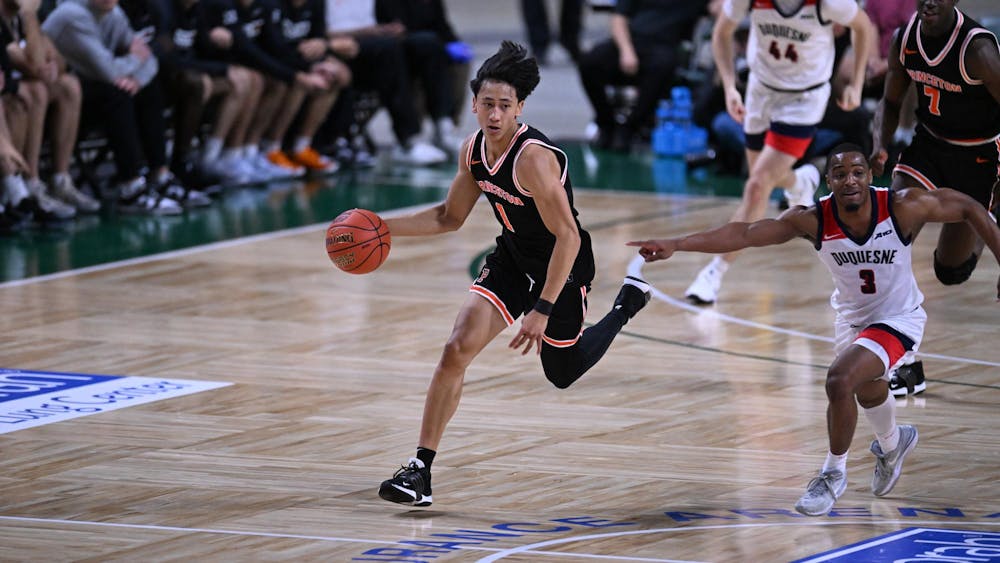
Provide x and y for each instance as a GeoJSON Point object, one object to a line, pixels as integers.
{"type": "Point", "coordinates": [544, 307]}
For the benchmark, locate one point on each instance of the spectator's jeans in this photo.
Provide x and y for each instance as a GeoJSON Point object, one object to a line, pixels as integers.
{"type": "Point", "coordinates": [134, 125]}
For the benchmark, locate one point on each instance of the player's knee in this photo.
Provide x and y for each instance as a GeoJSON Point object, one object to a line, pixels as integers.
{"type": "Point", "coordinates": [838, 385]}
{"type": "Point", "coordinates": [560, 378]}
{"type": "Point", "coordinates": [561, 368]}
{"type": "Point", "coordinates": [954, 275]}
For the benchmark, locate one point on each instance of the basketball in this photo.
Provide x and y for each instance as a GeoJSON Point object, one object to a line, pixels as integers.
{"type": "Point", "coordinates": [357, 241]}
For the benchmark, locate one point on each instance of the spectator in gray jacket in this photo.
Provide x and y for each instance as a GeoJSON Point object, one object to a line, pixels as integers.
{"type": "Point", "coordinates": [118, 75]}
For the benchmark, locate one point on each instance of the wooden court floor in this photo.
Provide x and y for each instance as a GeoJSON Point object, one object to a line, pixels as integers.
{"type": "Point", "coordinates": [689, 442]}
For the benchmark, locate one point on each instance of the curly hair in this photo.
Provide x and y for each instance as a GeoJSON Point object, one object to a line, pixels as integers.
{"type": "Point", "coordinates": [512, 65]}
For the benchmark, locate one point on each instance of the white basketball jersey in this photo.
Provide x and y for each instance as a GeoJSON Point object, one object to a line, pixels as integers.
{"type": "Point", "coordinates": [872, 275]}
{"type": "Point", "coordinates": [791, 46]}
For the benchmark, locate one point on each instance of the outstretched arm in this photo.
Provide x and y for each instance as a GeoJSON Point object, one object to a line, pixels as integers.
{"type": "Point", "coordinates": [795, 222]}
{"type": "Point", "coordinates": [446, 216]}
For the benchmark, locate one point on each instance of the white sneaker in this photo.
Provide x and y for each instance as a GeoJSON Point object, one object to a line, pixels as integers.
{"type": "Point", "coordinates": [419, 154]}
{"type": "Point", "coordinates": [821, 493]}
{"type": "Point", "coordinates": [804, 190]}
{"type": "Point", "coordinates": [49, 205]}
{"type": "Point", "coordinates": [445, 137]}
{"type": "Point", "coordinates": [704, 290]}
{"type": "Point", "coordinates": [269, 171]}
{"type": "Point", "coordinates": [64, 189]}
{"type": "Point", "coordinates": [233, 170]}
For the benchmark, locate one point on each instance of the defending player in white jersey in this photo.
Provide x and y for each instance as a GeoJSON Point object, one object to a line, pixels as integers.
{"type": "Point", "coordinates": [790, 52]}
{"type": "Point", "coordinates": [863, 236]}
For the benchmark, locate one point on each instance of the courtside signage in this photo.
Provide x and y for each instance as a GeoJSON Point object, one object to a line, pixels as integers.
{"type": "Point", "coordinates": [918, 545]}
{"type": "Point", "coordinates": [34, 398]}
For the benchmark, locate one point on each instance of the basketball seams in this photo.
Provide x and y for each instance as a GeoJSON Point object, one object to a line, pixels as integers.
{"type": "Point", "coordinates": [353, 258]}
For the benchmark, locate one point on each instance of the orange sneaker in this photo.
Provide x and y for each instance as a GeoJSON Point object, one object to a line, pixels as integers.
{"type": "Point", "coordinates": [312, 160]}
{"type": "Point", "coordinates": [279, 158]}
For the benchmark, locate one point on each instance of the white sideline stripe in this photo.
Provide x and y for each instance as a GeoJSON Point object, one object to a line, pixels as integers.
{"type": "Point", "coordinates": [192, 530]}
{"type": "Point", "coordinates": [635, 269]}
{"type": "Point", "coordinates": [189, 251]}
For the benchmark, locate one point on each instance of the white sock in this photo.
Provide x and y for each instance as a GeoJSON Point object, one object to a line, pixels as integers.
{"type": "Point", "coordinates": [232, 154]}
{"type": "Point", "coordinates": [212, 150]}
{"type": "Point", "coordinates": [267, 147]}
{"type": "Point", "coordinates": [250, 152]}
{"type": "Point", "coordinates": [301, 144]}
{"type": "Point", "coordinates": [909, 357]}
{"type": "Point", "coordinates": [14, 189]}
{"type": "Point", "coordinates": [883, 421]}
{"type": "Point", "coordinates": [720, 265]}
{"type": "Point", "coordinates": [60, 177]}
{"type": "Point", "coordinates": [835, 462]}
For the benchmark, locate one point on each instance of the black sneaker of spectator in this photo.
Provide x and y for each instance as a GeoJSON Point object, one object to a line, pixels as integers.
{"type": "Point", "coordinates": [168, 185]}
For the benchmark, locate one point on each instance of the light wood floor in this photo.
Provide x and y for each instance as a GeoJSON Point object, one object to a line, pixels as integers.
{"type": "Point", "coordinates": [690, 441]}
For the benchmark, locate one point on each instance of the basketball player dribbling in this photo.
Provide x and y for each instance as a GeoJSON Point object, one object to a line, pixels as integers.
{"type": "Point", "coordinates": [955, 64]}
{"type": "Point", "coordinates": [791, 55]}
{"type": "Point", "coordinates": [542, 266]}
{"type": "Point", "coordinates": [863, 235]}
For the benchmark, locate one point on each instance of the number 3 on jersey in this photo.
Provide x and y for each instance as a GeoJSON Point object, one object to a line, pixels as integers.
{"type": "Point", "coordinates": [790, 52]}
{"type": "Point", "coordinates": [503, 217]}
{"type": "Point", "coordinates": [868, 277]}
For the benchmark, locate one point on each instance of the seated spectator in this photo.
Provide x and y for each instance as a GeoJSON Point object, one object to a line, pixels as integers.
{"type": "Point", "coordinates": [302, 43]}
{"type": "Point", "coordinates": [18, 204]}
{"type": "Point", "coordinates": [193, 81]}
{"type": "Point", "coordinates": [376, 56]}
{"type": "Point", "coordinates": [643, 50]}
{"type": "Point", "coordinates": [434, 54]}
{"type": "Point", "coordinates": [257, 44]}
{"type": "Point", "coordinates": [229, 154]}
{"type": "Point", "coordinates": [24, 45]}
{"type": "Point", "coordinates": [118, 75]}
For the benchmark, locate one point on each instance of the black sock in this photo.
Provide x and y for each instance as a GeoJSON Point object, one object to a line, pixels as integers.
{"type": "Point", "coordinates": [425, 455]}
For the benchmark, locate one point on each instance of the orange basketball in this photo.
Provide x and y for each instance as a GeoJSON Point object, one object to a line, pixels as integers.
{"type": "Point", "coordinates": [357, 241]}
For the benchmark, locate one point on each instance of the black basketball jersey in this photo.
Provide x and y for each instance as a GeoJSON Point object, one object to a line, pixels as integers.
{"type": "Point", "coordinates": [524, 235]}
{"type": "Point", "coordinates": [952, 105]}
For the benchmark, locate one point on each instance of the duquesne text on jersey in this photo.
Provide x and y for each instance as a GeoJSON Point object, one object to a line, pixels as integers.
{"type": "Point", "coordinates": [865, 257]}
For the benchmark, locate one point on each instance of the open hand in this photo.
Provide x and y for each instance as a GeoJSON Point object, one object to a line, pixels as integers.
{"type": "Point", "coordinates": [532, 330]}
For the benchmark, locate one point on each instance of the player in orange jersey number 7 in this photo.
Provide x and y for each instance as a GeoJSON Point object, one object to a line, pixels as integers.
{"type": "Point", "coordinates": [863, 237]}
{"type": "Point", "coordinates": [955, 65]}
{"type": "Point", "coordinates": [542, 266]}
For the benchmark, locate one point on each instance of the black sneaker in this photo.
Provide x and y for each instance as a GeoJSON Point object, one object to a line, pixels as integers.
{"type": "Point", "coordinates": [633, 296]}
{"type": "Point", "coordinates": [411, 484]}
{"type": "Point", "coordinates": [908, 380]}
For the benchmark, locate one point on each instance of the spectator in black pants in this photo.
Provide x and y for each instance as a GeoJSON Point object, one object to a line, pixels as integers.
{"type": "Point", "coordinates": [376, 56]}
{"type": "Point", "coordinates": [642, 50]}
{"type": "Point", "coordinates": [429, 42]}
{"type": "Point", "coordinates": [536, 21]}
{"type": "Point", "coordinates": [118, 75]}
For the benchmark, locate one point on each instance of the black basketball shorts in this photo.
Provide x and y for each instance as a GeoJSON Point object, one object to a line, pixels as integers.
{"type": "Point", "coordinates": [514, 292]}
{"type": "Point", "coordinates": [934, 163]}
